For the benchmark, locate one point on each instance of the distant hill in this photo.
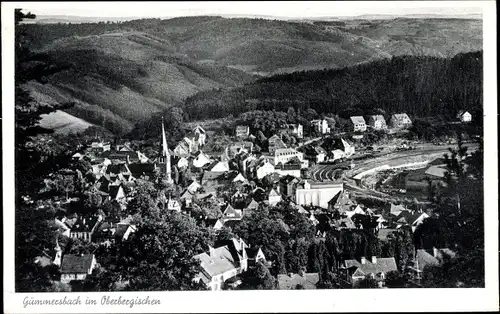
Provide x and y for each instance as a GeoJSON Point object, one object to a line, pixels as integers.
{"type": "Point", "coordinates": [122, 73]}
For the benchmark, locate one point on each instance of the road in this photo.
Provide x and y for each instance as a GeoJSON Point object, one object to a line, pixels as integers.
{"type": "Point", "coordinates": [424, 152]}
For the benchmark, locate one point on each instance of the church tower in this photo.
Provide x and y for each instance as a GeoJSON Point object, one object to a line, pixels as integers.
{"type": "Point", "coordinates": [166, 155]}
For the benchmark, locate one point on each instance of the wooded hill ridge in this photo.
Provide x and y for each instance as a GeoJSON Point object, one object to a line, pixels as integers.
{"type": "Point", "coordinates": [421, 86]}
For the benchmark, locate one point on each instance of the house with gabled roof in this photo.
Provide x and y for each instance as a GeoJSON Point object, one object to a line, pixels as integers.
{"type": "Point", "coordinates": [412, 219]}
{"type": "Point", "coordinates": [173, 205]}
{"type": "Point", "coordinates": [251, 207]}
{"type": "Point", "coordinates": [464, 116]}
{"type": "Point", "coordinates": [210, 176]}
{"type": "Point", "coordinates": [353, 211]}
{"type": "Point", "coordinates": [316, 193]}
{"type": "Point", "coordinates": [222, 263]}
{"type": "Point", "coordinates": [255, 255]}
{"type": "Point", "coordinates": [377, 122]}
{"type": "Point", "coordinates": [341, 202]}
{"type": "Point", "coordinates": [424, 259]}
{"type": "Point", "coordinates": [142, 169]}
{"type": "Point", "coordinates": [302, 280]}
{"type": "Point", "coordinates": [315, 154]}
{"type": "Point", "coordinates": [293, 129]}
{"type": "Point", "coordinates": [352, 272]}
{"type": "Point", "coordinates": [198, 135]}
{"type": "Point", "coordinates": [124, 230]}
{"type": "Point", "coordinates": [400, 121]}
{"type": "Point", "coordinates": [200, 159]}
{"type": "Point", "coordinates": [321, 126]}
{"type": "Point", "coordinates": [77, 267]}
{"type": "Point", "coordinates": [275, 142]}
{"type": "Point", "coordinates": [116, 193]}
{"type": "Point", "coordinates": [217, 266]}
{"type": "Point", "coordinates": [218, 166]}
{"type": "Point", "coordinates": [397, 209]}
{"type": "Point", "coordinates": [274, 197]}
{"type": "Point", "coordinates": [85, 227]}
{"type": "Point", "coordinates": [344, 146]}
{"type": "Point", "coordinates": [285, 155]}
{"type": "Point", "coordinates": [187, 198]}
{"type": "Point", "coordinates": [242, 131]}
{"type": "Point", "coordinates": [183, 149]}
{"type": "Point", "coordinates": [357, 124]}
{"type": "Point", "coordinates": [230, 213]}
{"type": "Point", "coordinates": [263, 169]}
{"type": "Point", "coordinates": [344, 223]}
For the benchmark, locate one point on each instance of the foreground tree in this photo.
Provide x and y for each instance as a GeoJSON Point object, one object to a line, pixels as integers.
{"type": "Point", "coordinates": [158, 257]}
{"type": "Point", "coordinates": [258, 278]}
{"type": "Point", "coordinates": [458, 222]}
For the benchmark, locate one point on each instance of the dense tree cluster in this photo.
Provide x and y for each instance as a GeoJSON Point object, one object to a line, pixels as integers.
{"type": "Point", "coordinates": [419, 86]}
{"type": "Point", "coordinates": [458, 222]}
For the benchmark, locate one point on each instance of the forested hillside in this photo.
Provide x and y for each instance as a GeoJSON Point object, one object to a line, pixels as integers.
{"type": "Point", "coordinates": [420, 86]}
{"type": "Point", "coordinates": [119, 74]}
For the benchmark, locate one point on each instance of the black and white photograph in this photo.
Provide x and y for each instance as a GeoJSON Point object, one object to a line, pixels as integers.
{"type": "Point", "coordinates": [249, 146]}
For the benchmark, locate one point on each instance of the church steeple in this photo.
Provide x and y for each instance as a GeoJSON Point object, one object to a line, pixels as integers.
{"type": "Point", "coordinates": [166, 155]}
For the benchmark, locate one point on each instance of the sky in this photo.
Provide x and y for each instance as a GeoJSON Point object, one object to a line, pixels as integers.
{"type": "Point", "coordinates": [292, 9]}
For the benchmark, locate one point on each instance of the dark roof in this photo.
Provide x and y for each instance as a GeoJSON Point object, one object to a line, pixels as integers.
{"type": "Point", "coordinates": [76, 263]}
{"type": "Point", "coordinates": [121, 155]}
{"type": "Point", "coordinates": [308, 281]}
{"type": "Point", "coordinates": [382, 265]}
{"type": "Point", "coordinates": [80, 226]}
{"type": "Point", "coordinates": [252, 252]}
{"type": "Point", "coordinates": [288, 167]}
{"type": "Point", "coordinates": [210, 175]}
{"type": "Point", "coordinates": [141, 169]}
{"type": "Point", "coordinates": [424, 259]}
{"type": "Point", "coordinates": [121, 228]}
{"type": "Point", "coordinates": [116, 168]}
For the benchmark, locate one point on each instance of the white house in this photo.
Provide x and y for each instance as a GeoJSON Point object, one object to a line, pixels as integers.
{"type": "Point", "coordinates": [200, 159]}
{"type": "Point", "coordinates": [342, 149]}
{"type": "Point", "coordinates": [352, 272]}
{"type": "Point", "coordinates": [321, 126]}
{"type": "Point", "coordinates": [263, 169]}
{"type": "Point", "coordinates": [242, 131]}
{"type": "Point", "coordinates": [220, 264]}
{"type": "Point", "coordinates": [400, 121]}
{"type": "Point", "coordinates": [182, 163]}
{"type": "Point", "coordinates": [377, 122]}
{"type": "Point", "coordinates": [173, 204]}
{"type": "Point", "coordinates": [337, 154]}
{"type": "Point", "coordinates": [357, 210]}
{"type": "Point", "coordinates": [464, 116]}
{"type": "Point", "coordinates": [284, 155]}
{"type": "Point", "coordinates": [295, 129]}
{"type": "Point", "coordinates": [358, 124]}
{"type": "Point", "coordinates": [200, 135]}
{"type": "Point", "coordinates": [219, 166]}
{"type": "Point", "coordinates": [274, 197]}
{"type": "Point", "coordinates": [316, 194]}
